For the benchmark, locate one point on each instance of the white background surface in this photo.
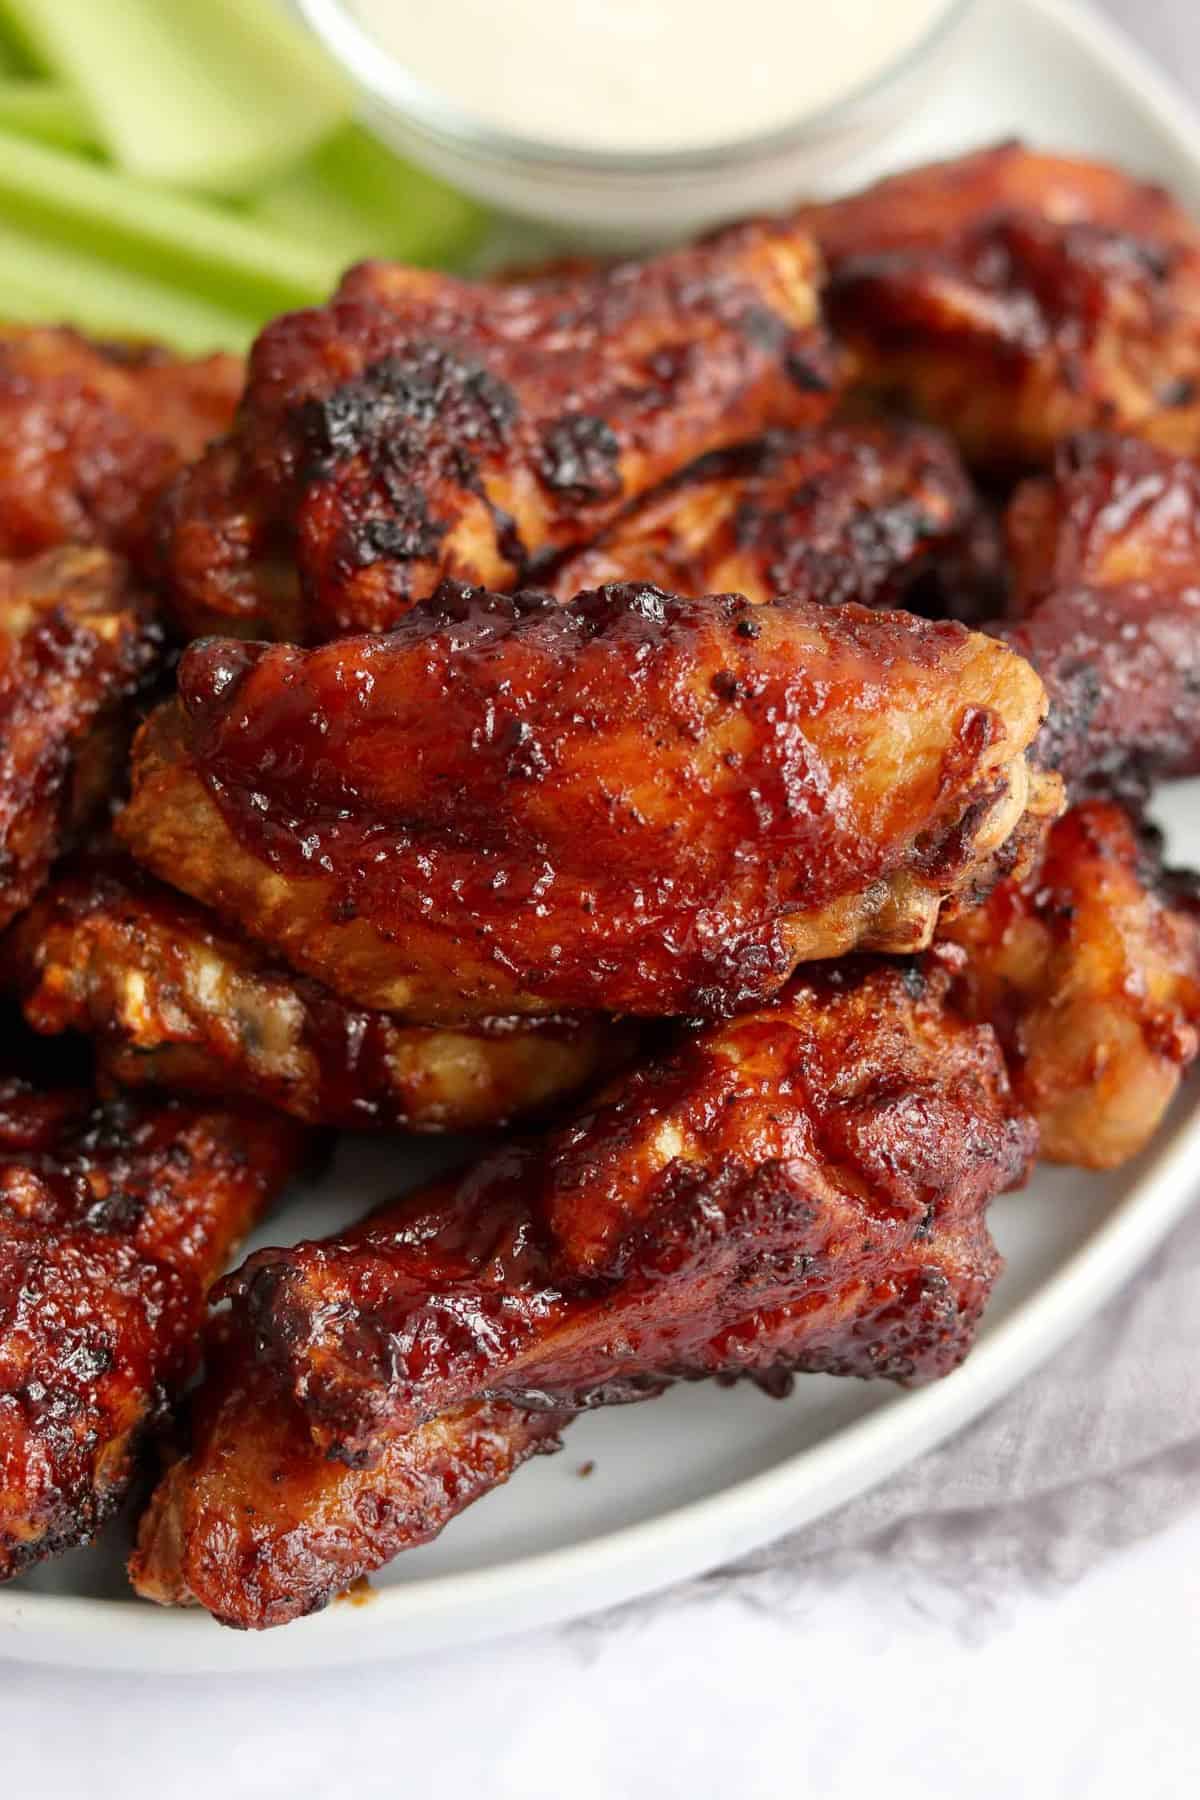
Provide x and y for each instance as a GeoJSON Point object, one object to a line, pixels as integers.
{"type": "Point", "coordinates": [874, 1682]}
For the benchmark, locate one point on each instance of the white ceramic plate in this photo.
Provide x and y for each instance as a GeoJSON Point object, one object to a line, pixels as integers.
{"type": "Point", "coordinates": [705, 1473]}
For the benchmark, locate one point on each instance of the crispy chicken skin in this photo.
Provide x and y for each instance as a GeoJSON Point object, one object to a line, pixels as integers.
{"type": "Point", "coordinates": [1015, 297]}
{"type": "Point", "coordinates": [75, 639]}
{"type": "Point", "coordinates": [861, 513]}
{"type": "Point", "coordinates": [801, 1188]}
{"type": "Point", "coordinates": [419, 426]}
{"type": "Point", "coordinates": [1089, 971]}
{"type": "Point", "coordinates": [114, 1219]}
{"type": "Point", "coordinates": [90, 435]}
{"type": "Point", "coordinates": [1106, 558]}
{"type": "Point", "coordinates": [174, 1000]}
{"type": "Point", "coordinates": [260, 1528]}
{"type": "Point", "coordinates": [632, 802]}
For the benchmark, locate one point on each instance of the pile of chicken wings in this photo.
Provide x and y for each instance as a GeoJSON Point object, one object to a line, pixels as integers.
{"type": "Point", "coordinates": [697, 711]}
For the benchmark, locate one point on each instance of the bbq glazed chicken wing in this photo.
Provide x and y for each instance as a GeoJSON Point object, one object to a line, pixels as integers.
{"type": "Point", "coordinates": [419, 427]}
{"type": "Point", "coordinates": [175, 1001]}
{"type": "Point", "coordinates": [1089, 971]}
{"type": "Point", "coordinates": [75, 640]}
{"type": "Point", "coordinates": [802, 1188]}
{"type": "Point", "coordinates": [632, 802]}
{"type": "Point", "coordinates": [114, 1219]}
{"type": "Point", "coordinates": [1014, 297]}
{"type": "Point", "coordinates": [875, 514]}
{"type": "Point", "coordinates": [90, 435]}
{"type": "Point", "coordinates": [1106, 557]}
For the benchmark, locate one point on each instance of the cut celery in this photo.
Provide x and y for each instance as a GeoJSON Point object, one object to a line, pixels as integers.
{"type": "Point", "coordinates": [357, 199]}
{"type": "Point", "coordinates": [43, 109]}
{"type": "Point", "coordinates": [209, 94]}
{"type": "Point", "coordinates": [18, 56]}
{"type": "Point", "coordinates": [46, 283]}
{"type": "Point", "coordinates": [194, 245]}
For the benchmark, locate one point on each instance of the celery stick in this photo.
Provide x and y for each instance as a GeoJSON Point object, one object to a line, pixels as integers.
{"type": "Point", "coordinates": [46, 283]}
{"type": "Point", "coordinates": [209, 94]}
{"type": "Point", "coordinates": [192, 244]}
{"type": "Point", "coordinates": [42, 109]}
{"type": "Point", "coordinates": [18, 56]}
{"type": "Point", "coordinates": [355, 197]}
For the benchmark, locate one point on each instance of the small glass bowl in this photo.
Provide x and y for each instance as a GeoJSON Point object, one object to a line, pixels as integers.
{"type": "Point", "coordinates": [618, 197]}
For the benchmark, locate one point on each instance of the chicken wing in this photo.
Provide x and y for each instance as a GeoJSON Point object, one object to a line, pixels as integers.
{"type": "Point", "coordinates": [803, 1188]}
{"type": "Point", "coordinates": [175, 1001]}
{"type": "Point", "coordinates": [870, 513]}
{"type": "Point", "coordinates": [1089, 971]}
{"type": "Point", "coordinates": [1014, 297]}
{"type": "Point", "coordinates": [114, 1219]}
{"type": "Point", "coordinates": [1106, 554]}
{"type": "Point", "coordinates": [421, 427]}
{"type": "Point", "coordinates": [90, 435]}
{"type": "Point", "coordinates": [632, 802]}
{"type": "Point", "coordinates": [75, 640]}
{"type": "Point", "coordinates": [260, 1528]}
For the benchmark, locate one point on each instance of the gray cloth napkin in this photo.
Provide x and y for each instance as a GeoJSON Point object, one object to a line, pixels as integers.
{"type": "Point", "coordinates": [1098, 1448]}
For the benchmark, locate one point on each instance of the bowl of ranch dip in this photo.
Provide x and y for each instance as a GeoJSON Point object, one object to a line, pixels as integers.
{"type": "Point", "coordinates": [633, 120]}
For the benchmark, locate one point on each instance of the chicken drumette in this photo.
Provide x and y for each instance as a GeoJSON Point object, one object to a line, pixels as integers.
{"type": "Point", "coordinates": [803, 1187]}
{"type": "Point", "coordinates": [1014, 297]}
{"type": "Point", "coordinates": [632, 802]}
{"type": "Point", "coordinates": [114, 1219]}
{"type": "Point", "coordinates": [419, 427]}
{"type": "Point", "coordinates": [174, 1000]}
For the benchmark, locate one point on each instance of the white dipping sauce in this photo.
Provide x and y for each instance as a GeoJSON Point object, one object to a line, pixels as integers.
{"type": "Point", "coordinates": [645, 74]}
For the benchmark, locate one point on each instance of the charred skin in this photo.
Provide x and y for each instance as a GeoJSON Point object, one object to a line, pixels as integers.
{"type": "Point", "coordinates": [1106, 558]}
{"type": "Point", "coordinates": [1089, 972]}
{"type": "Point", "coordinates": [114, 1220]}
{"type": "Point", "coordinates": [172, 1000]}
{"type": "Point", "coordinates": [420, 427]}
{"type": "Point", "coordinates": [632, 802]}
{"type": "Point", "coordinates": [75, 641]}
{"type": "Point", "coordinates": [803, 1188]}
{"type": "Point", "coordinates": [874, 514]}
{"type": "Point", "coordinates": [258, 1527]}
{"type": "Point", "coordinates": [91, 434]}
{"type": "Point", "coordinates": [1014, 298]}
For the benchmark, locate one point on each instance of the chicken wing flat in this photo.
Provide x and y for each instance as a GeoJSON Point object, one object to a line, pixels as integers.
{"type": "Point", "coordinates": [801, 1188]}
{"type": "Point", "coordinates": [90, 435]}
{"type": "Point", "coordinates": [1089, 971]}
{"type": "Point", "coordinates": [260, 1528]}
{"type": "Point", "coordinates": [173, 1000]}
{"type": "Point", "coordinates": [632, 802]}
{"type": "Point", "coordinates": [1106, 555]}
{"type": "Point", "coordinates": [421, 427]}
{"type": "Point", "coordinates": [1014, 297]}
{"type": "Point", "coordinates": [114, 1219]}
{"type": "Point", "coordinates": [75, 640]}
{"type": "Point", "coordinates": [866, 513]}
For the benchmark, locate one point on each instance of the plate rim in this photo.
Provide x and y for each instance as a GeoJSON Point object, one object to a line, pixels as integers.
{"type": "Point", "coordinates": [645, 1557]}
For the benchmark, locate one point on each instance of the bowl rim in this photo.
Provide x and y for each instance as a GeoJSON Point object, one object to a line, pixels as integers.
{"type": "Point", "coordinates": [386, 81]}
